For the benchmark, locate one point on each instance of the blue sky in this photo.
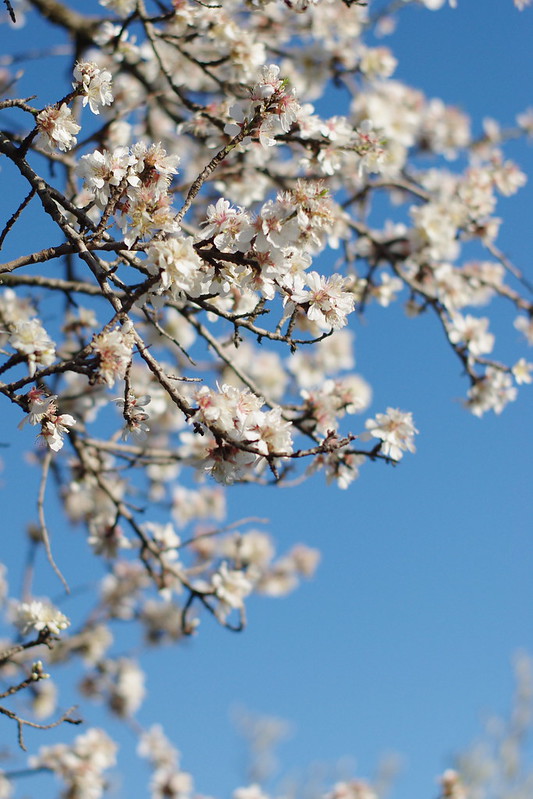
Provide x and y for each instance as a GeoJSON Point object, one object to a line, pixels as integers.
{"type": "Point", "coordinates": [403, 641]}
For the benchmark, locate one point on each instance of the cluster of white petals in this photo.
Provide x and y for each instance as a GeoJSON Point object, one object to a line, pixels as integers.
{"type": "Point", "coordinates": [31, 340]}
{"type": "Point", "coordinates": [94, 84]}
{"type": "Point", "coordinates": [80, 766]}
{"type": "Point", "coordinates": [43, 410]}
{"type": "Point", "coordinates": [57, 127]}
{"type": "Point", "coordinates": [396, 431]}
{"type": "Point", "coordinates": [195, 325]}
{"type": "Point", "coordinates": [113, 349]}
{"type": "Point", "coordinates": [38, 616]}
{"type": "Point", "coordinates": [249, 432]}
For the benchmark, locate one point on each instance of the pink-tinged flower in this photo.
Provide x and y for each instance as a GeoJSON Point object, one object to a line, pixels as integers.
{"type": "Point", "coordinates": [39, 406]}
{"type": "Point", "coordinates": [267, 432]}
{"type": "Point", "coordinates": [114, 350]}
{"type": "Point", "coordinates": [396, 430]}
{"type": "Point", "coordinates": [43, 411]}
{"type": "Point", "coordinates": [230, 227]}
{"type": "Point", "coordinates": [57, 127]}
{"type": "Point", "coordinates": [287, 110]}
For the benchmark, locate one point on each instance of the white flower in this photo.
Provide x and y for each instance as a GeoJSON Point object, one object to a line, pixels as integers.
{"type": "Point", "coordinates": [180, 268]}
{"type": "Point", "coordinates": [231, 586]}
{"type": "Point", "coordinates": [354, 789]}
{"type": "Point", "coordinates": [80, 764]}
{"type": "Point", "coordinates": [385, 292]}
{"type": "Point", "coordinates": [30, 338]}
{"type": "Point", "coordinates": [267, 431]}
{"type": "Point", "coordinates": [114, 350]}
{"type": "Point", "coordinates": [39, 406]}
{"type": "Point", "coordinates": [57, 127]}
{"type": "Point", "coordinates": [121, 7]}
{"type": "Point", "coordinates": [249, 792]}
{"type": "Point", "coordinates": [6, 787]}
{"type": "Point", "coordinates": [103, 170]}
{"type": "Point", "coordinates": [522, 371]}
{"type": "Point", "coordinates": [396, 430]}
{"type": "Point", "coordinates": [230, 227]}
{"type": "Point", "coordinates": [127, 689]}
{"type": "Point", "coordinates": [434, 5]}
{"type": "Point", "coordinates": [525, 325]}
{"type": "Point", "coordinates": [328, 304]}
{"type": "Point", "coordinates": [491, 393]}
{"type": "Point", "coordinates": [54, 427]}
{"type": "Point", "coordinates": [155, 746]}
{"type": "Point", "coordinates": [472, 332]}
{"type": "Point", "coordinates": [451, 785]}
{"type": "Point", "coordinates": [38, 616]}
{"type": "Point", "coordinates": [168, 782]}
{"type": "Point", "coordinates": [135, 417]}
{"type": "Point", "coordinates": [94, 84]}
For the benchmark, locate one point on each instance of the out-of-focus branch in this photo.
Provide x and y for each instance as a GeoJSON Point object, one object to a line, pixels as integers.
{"type": "Point", "coordinates": [78, 25]}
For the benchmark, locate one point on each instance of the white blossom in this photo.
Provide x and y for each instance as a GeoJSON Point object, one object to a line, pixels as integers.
{"type": "Point", "coordinates": [38, 616]}
{"type": "Point", "coordinates": [29, 337]}
{"type": "Point", "coordinates": [396, 431]}
{"type": "Point", "coordinates": [231, 586]}
{"type": "Point", "coordinates": [57, 127]}
{"type": "Point", "coordinates": [113, 348]}
{"type": "Point", "coordinates": [327, 302]}
{"type": "Point", "coordinates": [94, 84]}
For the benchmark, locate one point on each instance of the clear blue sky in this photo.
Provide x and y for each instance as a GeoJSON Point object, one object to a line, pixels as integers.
{"type": "Point", "coordinates": [403, 642]}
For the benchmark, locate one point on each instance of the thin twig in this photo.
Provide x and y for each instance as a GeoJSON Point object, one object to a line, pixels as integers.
{"type": "Point", "coordinates": [42, 522]}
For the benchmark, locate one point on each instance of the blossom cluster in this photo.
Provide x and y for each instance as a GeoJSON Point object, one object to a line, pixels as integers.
{"type": "Point", "coordinates": [43, 410]}
{"type": "Point", "coordinates": [218, 238]}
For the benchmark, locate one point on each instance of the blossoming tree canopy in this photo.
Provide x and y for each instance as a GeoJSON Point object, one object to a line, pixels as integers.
{"type": "Point", "coordinates": [212, 241]}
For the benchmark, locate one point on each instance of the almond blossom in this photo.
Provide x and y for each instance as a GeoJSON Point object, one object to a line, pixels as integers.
{"type": "Point", "coordinates": [472, 332]}
{"type": "Point", "coordinates": [81, 765]}
{"type": "Point", "coordinates": [33, 342]}
{"type": "Point", "coordinates": [113, 349]}
{"type": "Point", "coordinates": [231, 587]}
{"type": "Point", "coordinates": [38, 616]}
{"type": "Point", "coordinates": [396, 431]}
{"type": "Point", "coordinates": [94, 84]}
{"type": "Point", "coordinates": [57, 127]}
{"type": "Point", "coordinates": [253, 176]}
{"type": "Point", "coordinates": [326, 301]}
{"type": "Point", "coordinates": [53, 428]}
